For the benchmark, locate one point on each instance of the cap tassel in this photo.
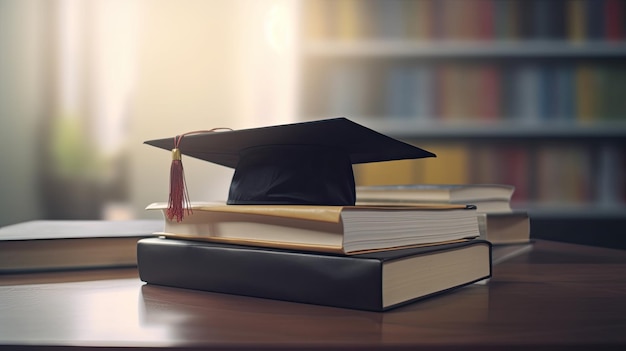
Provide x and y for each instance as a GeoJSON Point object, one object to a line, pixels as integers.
{"type": "Point", "coordinates": [178, 203]}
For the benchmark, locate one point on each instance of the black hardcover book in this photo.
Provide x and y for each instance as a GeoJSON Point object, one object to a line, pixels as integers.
{"type": "Point", "coordinates": [372, 281]}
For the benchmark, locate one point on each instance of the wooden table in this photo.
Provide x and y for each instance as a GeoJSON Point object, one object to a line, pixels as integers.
{"type": "Point", "coordinates": [558, 296]}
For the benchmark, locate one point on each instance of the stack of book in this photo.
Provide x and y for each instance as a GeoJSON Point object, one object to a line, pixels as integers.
{"type": "Point", "coordinates": [506, 228]}
{"type": "Point", "coordinates": [291, 230]}
{"type": "Point", "coordinates": [360, 257]}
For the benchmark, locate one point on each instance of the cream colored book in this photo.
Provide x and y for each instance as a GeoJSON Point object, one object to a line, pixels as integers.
{"type": "Point", "coordinates": [486, 197]}
{"type": "Point", "coordinates": [339, 229]}
{"type": "Point", "coordinates": [505, 228]}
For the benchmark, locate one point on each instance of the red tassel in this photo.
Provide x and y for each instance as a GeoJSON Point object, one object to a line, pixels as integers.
{"type": "Point", "coordinates": [178, 202]}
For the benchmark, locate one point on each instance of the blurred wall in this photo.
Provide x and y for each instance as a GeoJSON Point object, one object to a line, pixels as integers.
{"type": "Point", "coordinates": [206, 64]}
{"type": "Point", "coordinates": [187, 80]}
{"type": "Point", "coordinates": [21, 106]}
{"type": "Point", "coordinates": [197, 64]}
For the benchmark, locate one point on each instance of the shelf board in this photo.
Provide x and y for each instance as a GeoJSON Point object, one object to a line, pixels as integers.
{"type": "Point", "coordinates": [580, 211]}
{"type": "Point", "coordinates": [465, 49]}
{"type": "Point", "coordinates": [407, 128]}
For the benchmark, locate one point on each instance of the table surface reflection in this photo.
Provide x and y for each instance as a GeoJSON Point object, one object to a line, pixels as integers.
{"type": "Point", "coordinates": [555, 296]}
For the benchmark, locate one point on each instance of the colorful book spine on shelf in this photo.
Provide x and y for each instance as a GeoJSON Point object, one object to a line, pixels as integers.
{"type": "Point", "coordinates": [614, 19]}
{"type": "Point", "coordinates": [318, 23]}
{"type": "Point", "coordinates": [486, 19]}
{"type": "Point", "coordinates": [491, 86]}
{"type": "Point", "coordinates": [421, 19]}
{"type": "Point", "coordinates": [563, 175]}
{"type": "Point", "coordinates": [516, 166]}
{"type": "Point", "coordinates": [571, 20]}
{"type": "Point", "coordinates": [595, 20]}
{"type": "Point", "coordinates": [576, 20]}
{"type": "Point", "coordinates": [550, 174]}
{"type": "Point", "coordinates": [529, 93]}
{"type": "Point", "coordinates": [392, 172]}
{"type": "Point", "coordinates": [573, 89]}
{"type": "Point", "coordinates": [423, 97]}
{"type": "Point", "coordinates": [565, 97]}
{"type": "Point", "coordinates": [349, 19]}
{"type": "Point", "coordinates": [449, 170]}
{"type": "Point", "coordinates": [348, 90]}
{"type": "Point", "coordinates": [401, 92]}
{"type": "Point", "coordinates": [586, 92]}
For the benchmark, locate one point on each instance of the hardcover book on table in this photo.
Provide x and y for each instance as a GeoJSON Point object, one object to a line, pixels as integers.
{"type": "Point", "coordinates": [338, 229]}
{"type": "Point", "coordinates": [374, 281]}
{"type": "Point", "coordinates": [498, 222]}
{"type": "Point", "coordinates": [45, 245]}
{"type": "Point", "coordinates": [505, 227]}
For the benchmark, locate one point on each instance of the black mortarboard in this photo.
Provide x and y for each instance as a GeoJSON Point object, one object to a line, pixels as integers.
{"type": "Point", "coordinates": [308, 163]}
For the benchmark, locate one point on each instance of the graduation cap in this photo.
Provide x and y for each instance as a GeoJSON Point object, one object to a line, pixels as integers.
{"type": "Point", "coordinates": [308, 163]}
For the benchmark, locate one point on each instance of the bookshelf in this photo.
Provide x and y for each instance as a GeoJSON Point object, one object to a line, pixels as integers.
{"type": "Point", "coordinates": [514, 91]}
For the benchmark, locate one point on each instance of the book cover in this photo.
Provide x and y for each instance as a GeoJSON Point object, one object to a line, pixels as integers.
{"type": "Point", "coordinates": [374, 282]}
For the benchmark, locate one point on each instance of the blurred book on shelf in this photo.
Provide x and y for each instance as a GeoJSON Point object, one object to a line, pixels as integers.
{"type": "Point", "coordinates": [517, 92]}
{"type": "Point", "coordinates": [467, 20]}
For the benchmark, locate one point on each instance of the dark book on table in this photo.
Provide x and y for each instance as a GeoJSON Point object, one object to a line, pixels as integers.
{"type": "Point", "coordinates": [374, 281]}
{"type": "Point", "coordinates": [47, 245]}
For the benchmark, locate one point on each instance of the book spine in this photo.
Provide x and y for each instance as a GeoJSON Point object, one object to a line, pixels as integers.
{"type": "Point", "coordinates": [595, 20]}
{"type": "Point", "coordinates": [282, 275]}
{"type": "Point", "coordinates": [614, 13]}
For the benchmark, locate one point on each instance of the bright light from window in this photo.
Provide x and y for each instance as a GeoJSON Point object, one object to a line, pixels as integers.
{"type": "Point", "coordinates": [277, 28]}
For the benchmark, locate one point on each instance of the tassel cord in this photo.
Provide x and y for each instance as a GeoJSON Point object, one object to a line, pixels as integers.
{"type": "Point", "coordinates": [178, 201]}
